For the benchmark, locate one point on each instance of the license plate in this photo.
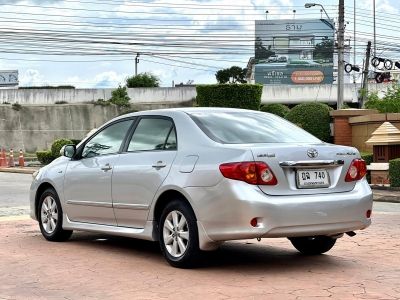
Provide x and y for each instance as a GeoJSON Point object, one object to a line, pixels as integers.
{"type": "Point", "coordinates": [311, 179]}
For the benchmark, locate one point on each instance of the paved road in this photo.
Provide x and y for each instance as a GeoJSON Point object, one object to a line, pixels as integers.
{"type": "Point", "coordinates": [96, 266]}
{"type": "Point", "coordinates": [14, 193]}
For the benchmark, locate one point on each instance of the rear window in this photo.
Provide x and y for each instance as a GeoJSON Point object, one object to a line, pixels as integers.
{"type": "Point", "coordinates": [249, 128]}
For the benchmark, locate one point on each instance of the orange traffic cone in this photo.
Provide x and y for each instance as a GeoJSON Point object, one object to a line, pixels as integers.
{"type": "Point", "coordinates": [21, 159]}
{"type": "Point", "coordinates": [11, 159]}
{"type": "Point", "coordinates": [3, 160]}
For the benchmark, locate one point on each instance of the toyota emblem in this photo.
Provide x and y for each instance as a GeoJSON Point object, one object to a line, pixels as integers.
{"type": "Point", "coordinates": [312, 153]}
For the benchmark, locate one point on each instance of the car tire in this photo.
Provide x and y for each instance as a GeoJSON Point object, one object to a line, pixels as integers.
{"type": "Point", "coordinates": [178, 235]}
{"type": "Point", "coordinates": [313, 245]}
{"type": "Point", "coordinates": [50, 217]}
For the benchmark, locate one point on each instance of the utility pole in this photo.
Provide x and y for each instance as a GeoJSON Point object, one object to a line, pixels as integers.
{"type": "Point", "coordinates": [374, 30]}
{"type": "Point", "coordinates": [340, 46]}
{"type": "Point", "coordinates": [364, 87]}
{"type": "Point", "coordinates": [136, 62]}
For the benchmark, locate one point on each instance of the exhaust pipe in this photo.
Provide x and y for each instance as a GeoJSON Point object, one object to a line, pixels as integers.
{"type": "Point", "coordinates": [350, 233]}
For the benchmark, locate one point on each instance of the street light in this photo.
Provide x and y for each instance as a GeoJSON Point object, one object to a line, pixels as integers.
{"type": "Point", "coordinates": [308, 5]}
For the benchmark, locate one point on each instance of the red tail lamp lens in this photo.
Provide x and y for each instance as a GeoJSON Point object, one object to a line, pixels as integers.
{"type": "Point", "coordinates": [368, 213]}
{"type": "Point", "coordinates": [357, 170]}
{"type": "Point", "coordinates": [258, 173]}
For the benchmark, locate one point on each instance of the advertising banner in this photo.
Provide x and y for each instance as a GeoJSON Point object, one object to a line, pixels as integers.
{"type": "Point", "coordinates": [294, 51]}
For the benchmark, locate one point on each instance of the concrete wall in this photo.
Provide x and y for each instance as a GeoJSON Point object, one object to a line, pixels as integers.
{"type": "Point", "coordinates": [327, 93]}
{"type": "Point", "coordinates": [289, 94]}
{"type": "Point", "coordinates": [137, 95]}
{"type": "Point", "coordinates": [35, 127]}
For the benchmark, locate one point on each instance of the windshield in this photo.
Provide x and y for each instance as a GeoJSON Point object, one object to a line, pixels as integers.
{"type": "Point", "coordinates": [249, 128]}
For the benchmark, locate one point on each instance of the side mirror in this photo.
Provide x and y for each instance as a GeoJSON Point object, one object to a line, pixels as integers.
{"type": "Point", "coordinates": [68, 151]}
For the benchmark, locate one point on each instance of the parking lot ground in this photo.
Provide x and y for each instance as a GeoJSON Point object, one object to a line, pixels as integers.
{"type": "Point", "coordinates": [96, 266]}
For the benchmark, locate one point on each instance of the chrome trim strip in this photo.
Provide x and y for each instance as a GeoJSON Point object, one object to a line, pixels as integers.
{"type": "Point", "coordinates": [131, 206]}
{"type": "Point", "coordinates": [310, 163]}
{"type": "Point", "coordinates": [89, 203]}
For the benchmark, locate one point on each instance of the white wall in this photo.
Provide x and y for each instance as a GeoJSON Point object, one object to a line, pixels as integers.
{"type": "Point", "coordinates": [137, 95]}
{"type": "Point", "coordinates": [289, 94]}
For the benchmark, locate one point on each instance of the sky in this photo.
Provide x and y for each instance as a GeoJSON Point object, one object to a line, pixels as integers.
{"type": "Point", "coordinates": [93, 43]}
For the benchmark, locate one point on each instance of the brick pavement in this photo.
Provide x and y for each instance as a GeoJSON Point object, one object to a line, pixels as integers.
{"type": "Point", "coordinates": [94, 266]}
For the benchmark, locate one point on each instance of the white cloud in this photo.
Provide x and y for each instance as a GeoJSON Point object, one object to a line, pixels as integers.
{"type": "Point", "coordinates": [107, 79]}
{"type": "Point", "coordinates": [31, 77]}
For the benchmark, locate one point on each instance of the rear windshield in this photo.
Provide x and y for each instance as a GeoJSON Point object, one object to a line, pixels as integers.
{"type": "Point", "coordinates": [249, 128]}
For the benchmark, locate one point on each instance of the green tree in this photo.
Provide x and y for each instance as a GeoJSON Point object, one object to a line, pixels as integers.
{"type": "Point", "coordinates": [324, 50]}
{"type": "Point", "coordinates": [120, 97]}
{"type": "Point", "coordinates": [233, 74]}
{"type": "Point", "coordinates": [260, 51]}
{"type": "Point", "coordinates": [390, 102]}
{"type": "Point", "coordinates": [143, 80]}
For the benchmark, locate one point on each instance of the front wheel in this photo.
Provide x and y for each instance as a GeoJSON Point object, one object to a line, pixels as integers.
{"type": "Point", "coordinates": [178, 235]}
{"type": "Point", "coordinates": [50, 217]}
{"type": "Point", "coordinates": [313, 245]}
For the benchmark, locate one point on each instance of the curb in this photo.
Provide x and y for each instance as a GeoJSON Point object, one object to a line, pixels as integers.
{"type": "Point", "coordinates": [385, 198]}
{"type": "Point", "coordinates": [18, 170]}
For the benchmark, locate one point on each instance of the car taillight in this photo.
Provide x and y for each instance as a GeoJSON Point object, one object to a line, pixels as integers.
{"type": "Point", "coordinates": [251, 172]}
{"type": "Point", "coordinates": [357, 170]}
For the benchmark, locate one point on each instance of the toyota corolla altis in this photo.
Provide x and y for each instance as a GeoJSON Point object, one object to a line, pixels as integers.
{"type": "Point", "coordinates": [192, 178]}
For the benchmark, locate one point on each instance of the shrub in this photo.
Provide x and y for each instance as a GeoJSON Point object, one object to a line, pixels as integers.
{"type": "Point", "coordinates": [368, 157]}
{"type": "Point", "coordinates": [16, 106]}
{"type": "Point", "coordinates": [312, 117]}
{"type": "Point", "coordinates": [276, 109]}
{"type": "Point", "coordinates": [102, 102]}
{"type": "Point", "coordinates": [45, 157]}
{"type": "Point", "coordinates": [143, 80]}
{"type": "Point", "coordinates": [246, 96]}
{"type": "Point", "coordinates": [57, 145]}
{"type": "Point", "coordinates": [120, 97]}
{"type": "Point", "coordinates": [61, 102]}
{"type": "Point", "coordinates": [394, 172]}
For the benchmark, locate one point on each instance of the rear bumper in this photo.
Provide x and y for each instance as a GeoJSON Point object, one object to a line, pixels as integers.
{"type": "Point", "coordinates": [225, 211]}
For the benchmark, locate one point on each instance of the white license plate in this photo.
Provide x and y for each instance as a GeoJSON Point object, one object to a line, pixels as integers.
{"type": "Point", "coordinates": [311, 179]}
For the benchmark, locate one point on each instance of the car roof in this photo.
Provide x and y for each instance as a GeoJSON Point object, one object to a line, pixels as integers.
{"type": "Point", "coordinates": [187, 110]}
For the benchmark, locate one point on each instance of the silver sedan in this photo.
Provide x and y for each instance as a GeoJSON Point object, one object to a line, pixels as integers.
{"type": "Point", "coordinates": [192, 178]}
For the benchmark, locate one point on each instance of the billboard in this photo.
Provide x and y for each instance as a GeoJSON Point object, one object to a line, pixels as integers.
{"type": "Point", "coordinates": [8, 78]}
{"type": "Point", "coordinates": [294, 51]}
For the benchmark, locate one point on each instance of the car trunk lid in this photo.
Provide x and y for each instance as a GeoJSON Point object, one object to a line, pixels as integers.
{"type": "Point", "coordinates": [306, 169]}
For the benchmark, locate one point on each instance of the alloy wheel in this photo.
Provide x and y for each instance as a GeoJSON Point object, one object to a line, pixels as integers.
{"type": "Point", "coordinates": [176, 233]}
{"type": "Point", "coordinates": [49, 214]}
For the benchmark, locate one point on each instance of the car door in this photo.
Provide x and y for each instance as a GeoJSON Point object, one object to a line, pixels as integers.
{"type": "Point", "coordinates": [87, 182]}
{"type": "Point", "coordinates": [142, 168]}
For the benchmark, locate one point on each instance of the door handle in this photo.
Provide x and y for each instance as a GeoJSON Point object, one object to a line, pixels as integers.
{"type": "Point", "coordinates": [106, 168]}
{"type": "Point", "coordinates": [160, 164]}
